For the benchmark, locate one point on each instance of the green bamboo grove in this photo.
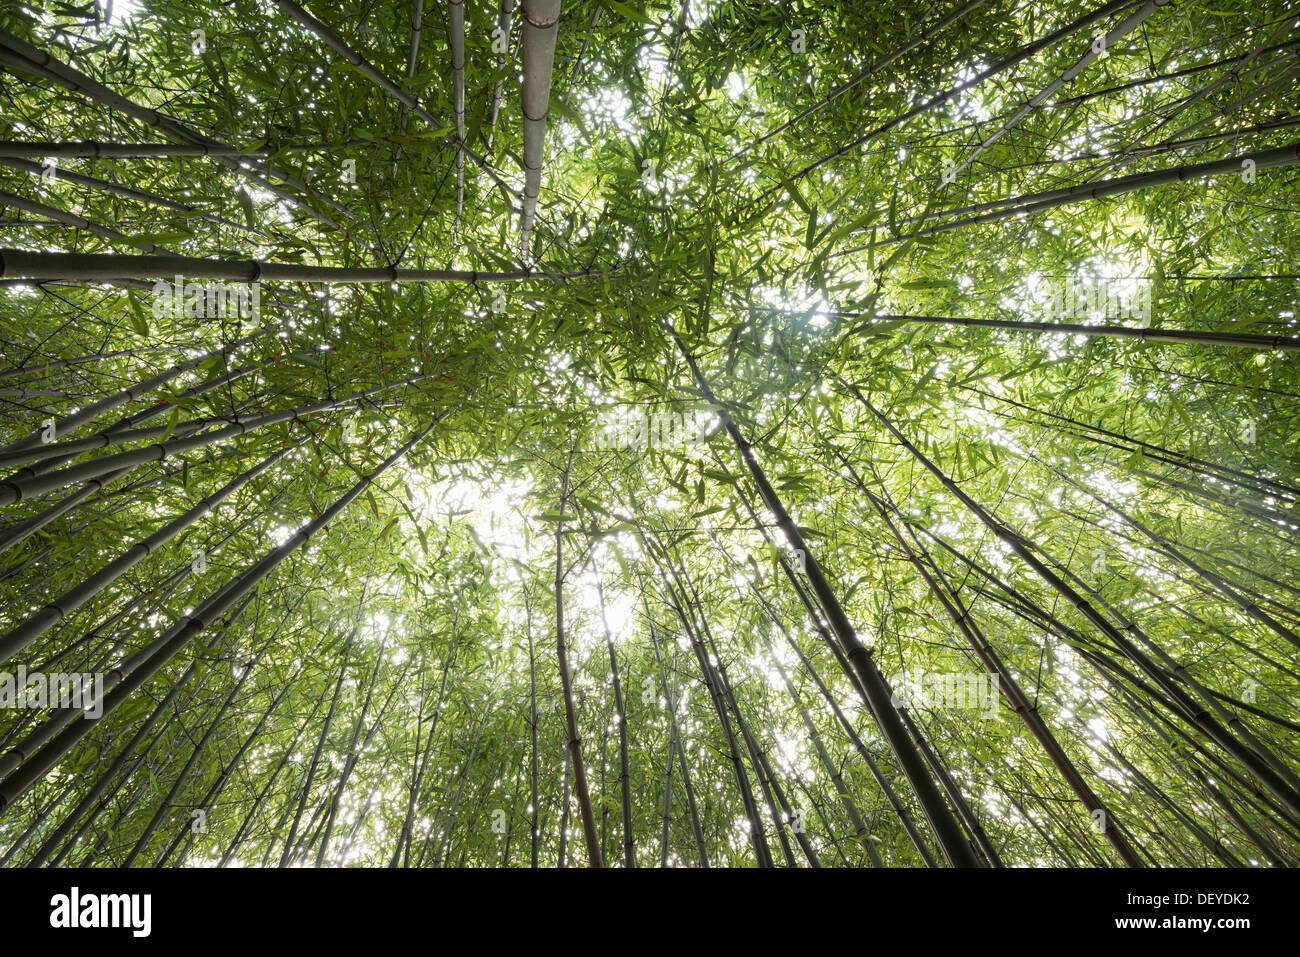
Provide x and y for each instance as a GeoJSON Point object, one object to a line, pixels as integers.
{"type": "Point", "coordinates": [685, 433]}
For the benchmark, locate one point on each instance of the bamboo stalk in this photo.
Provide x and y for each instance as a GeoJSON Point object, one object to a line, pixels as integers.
{"type": "Point", "coordinates": [368, 69]}
{"type": "Point", "coordinates": [139, 195]}
{"type": "Point", "coordinates": [540, 29]}
{"type": "Point", "coordinates": [90, 149]}
{"type": "Point", "coordinates": [534, 831]}
{"type": "Point", "coordinates": [1196, 337]}
{"type": "Point", "coordinates": [1165, 547]}
{"type": "Point", "coordinates": [594, 856]}
{"type": "Point", "coordinates": [115, 433]}
{"type": "Point", "coordinates": [1095, 51]}
{"type": "Point", "coordinates": [71, 219]}
{"type": "Point", "coordinates": [1031, 203]}
{"type": "Point", "coordinates": [503, 24]}
{"type": "Point", "coordinates": [878, 696]}
{"type": "Point", "coordinates": [440, 858]}
{"type": "Point", "coordinates": [79, 814]}
{"type": "Point", "coordinates": [1235, 76]}
{"type": "Point", "coordinates": [837, 779]}
{"type": "Point", "coordinates": [290, 849]}
{"type": "Point", "coordinates": [675, 747]}
{"type": "Point", "coordinates": [1015, 696]}
{"type": "Point", "coordinates": [18, 488]}
{"type": "Point", "coordinates": [21, 370]}
{"type": "Point", "coordinates": [774, 796]}
{"type": "Point", "coordinates": [356, 747]}
{"type": "Point", "coordinates": [55, 610]}
{"type": "Point", "coordinates": [22, 56]}
{"type": "Point", "coordinates": [34, 440]}
{"type": "Point", "coordinates": [214, 792]}
{"type": "Point", "coordinates": [1183, 460]}
{"type": "Point", "coordinates": [815, 615]}
{"type": "Point", "coordinates": [1189, 710]}
{"type": "Point", "coordinates": [586, 39]}
{"type": "Point", "coordinates": [757, 834]}
{"type": "Point", "coordinates": [624, 780]}
{"type": "Point", "coordinates": [64, 717]}
{"type": "Point", "coordinates": [125, 679]}
{"type": "Point", "coordinates": [412, 53]}
{"type": "Point", "coordinates": [1024, 53]}
{"type": "Point", "coordinates": [211, 728]}
{"type": "Point", "coordinates": [179, 635]}
{"type": "Point", "coordinates": [919, 37]}
{"type": "Point", "coordinates": [456, 18]}
{"type": "Point", "coordinates": [39, 265]}
{"type": "Point", "coordinates": [256, 809]}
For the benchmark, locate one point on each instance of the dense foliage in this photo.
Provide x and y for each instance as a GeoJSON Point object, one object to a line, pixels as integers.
{"type": "Point", "coordinates": [1105, 519]}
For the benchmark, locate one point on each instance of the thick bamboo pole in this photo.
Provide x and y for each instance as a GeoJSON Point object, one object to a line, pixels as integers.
{"type": "Point", "coordinates": [456, 28]}
{"type": "Point", "coordinates": [540, 29]}
{"type": "Point", "coordinates": [31, 265]}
